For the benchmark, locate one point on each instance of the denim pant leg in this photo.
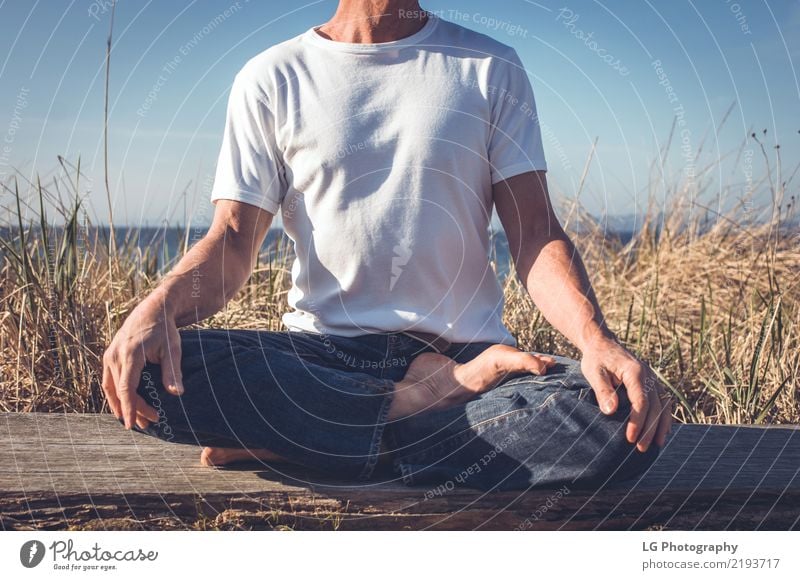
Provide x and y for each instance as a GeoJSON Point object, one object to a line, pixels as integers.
{"type": "Point", "coordinates": [529, 431]}
{"type": "Point", "coordinates": [272, 390]}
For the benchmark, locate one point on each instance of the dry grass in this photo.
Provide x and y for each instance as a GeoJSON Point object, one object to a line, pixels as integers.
{"type": "Point", "coordinates": [715, 309]}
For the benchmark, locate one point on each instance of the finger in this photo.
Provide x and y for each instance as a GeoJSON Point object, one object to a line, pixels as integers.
{"type": "Point", "coordinates": [115, 371]}
{"type": "Point", "coordinates": [664, 424]}
{"type": "Point", "coordinates": [110, 390]}
{"type": "Point", "coordinates": [639, 406]}
{"type": "Point", "coordinates": [143, 409]}
{"type": "Point", "coordinates": [603, 389]}
{"type": "Point", "coordinates": [141, 422]}
{"type": "Point", "coordinates": [548, 360]}
{"type": "Point", "coordinates": [651, 423]}
{"type": "Point", "coordinates": [538, 364]}
{"type": "Point", "coordinates": [171, 376]}
{"type": "Point", "coordinates": [126, 389]}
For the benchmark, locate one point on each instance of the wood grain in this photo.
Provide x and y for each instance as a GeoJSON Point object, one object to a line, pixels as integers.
{"type": "Point", "coordinates": [85, 471]}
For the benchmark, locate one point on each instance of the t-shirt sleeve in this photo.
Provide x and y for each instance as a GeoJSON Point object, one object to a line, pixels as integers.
{"type": "Point", "coordinates": [249, 166]}
{"type": "Point", "coordinates": [515, 141]}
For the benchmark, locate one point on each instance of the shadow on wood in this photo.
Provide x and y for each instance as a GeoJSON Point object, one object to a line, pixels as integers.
{"type": "Point", "coordinates": [69, 471]}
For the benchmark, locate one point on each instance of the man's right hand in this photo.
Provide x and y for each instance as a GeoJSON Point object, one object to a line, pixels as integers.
{"type": "Point", "coordinates": [149, 334]}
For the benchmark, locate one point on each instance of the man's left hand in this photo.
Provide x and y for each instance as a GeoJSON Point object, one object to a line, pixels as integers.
{"type": "Point", "coordinates": [607, 364]}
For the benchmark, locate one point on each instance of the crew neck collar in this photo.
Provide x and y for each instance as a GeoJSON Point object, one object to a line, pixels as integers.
{"type": "Point", "coordinates": [315, 38]}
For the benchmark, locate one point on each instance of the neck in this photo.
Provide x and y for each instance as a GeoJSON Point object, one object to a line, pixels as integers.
{"type": "Point", "coordinates": [373, 21]}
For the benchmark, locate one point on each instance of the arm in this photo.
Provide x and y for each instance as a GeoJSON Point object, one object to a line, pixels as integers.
{"type": "Point", "coordinates": [547, 261]}
{"type": "Point", "coordinates": [549, 266]}
{"type": "Point", "coordinates": [216, 267]}
{"type": "Point", "coordinates": [202, 282]}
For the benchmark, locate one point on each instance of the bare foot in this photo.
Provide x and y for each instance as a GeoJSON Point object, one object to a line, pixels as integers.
{"type": "Point", "coordinates": [216, 456]}
{"type": "Point", "coordinates": [434, 381]}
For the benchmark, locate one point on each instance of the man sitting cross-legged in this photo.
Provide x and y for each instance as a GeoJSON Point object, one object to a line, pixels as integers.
{"type": "Point", "coordinates": [386, 138]}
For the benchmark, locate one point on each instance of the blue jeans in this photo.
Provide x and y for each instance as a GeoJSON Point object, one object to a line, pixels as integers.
{"type": "Point", "coordinates": [322, 401]}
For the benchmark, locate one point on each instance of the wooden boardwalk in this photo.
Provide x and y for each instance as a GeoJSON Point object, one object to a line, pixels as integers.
{"type": "Point", "coordinates": [84, 471]}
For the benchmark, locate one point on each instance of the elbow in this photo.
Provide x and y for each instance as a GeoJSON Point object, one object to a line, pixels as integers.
{"type": "Point", "coordinates": [526, 250]}
{"type": "Point", "coordinates": [235, 256]}
{"type": "Point", "coordinates": [530, 243]}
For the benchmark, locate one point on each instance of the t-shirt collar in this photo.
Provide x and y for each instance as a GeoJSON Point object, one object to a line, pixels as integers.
{"type": "Point", "coordinates": [315, 38]}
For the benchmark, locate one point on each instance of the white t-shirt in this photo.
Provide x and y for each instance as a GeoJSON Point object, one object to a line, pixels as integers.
{"type": "Point", "coordinates": [381, 158]}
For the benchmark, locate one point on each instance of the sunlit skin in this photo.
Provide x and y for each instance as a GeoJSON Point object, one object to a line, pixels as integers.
{"type": "Point", "coordinates": [545, 259]}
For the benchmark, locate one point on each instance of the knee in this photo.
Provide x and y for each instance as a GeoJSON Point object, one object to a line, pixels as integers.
{"type": "Point", "coordinates": [629, 461]}
{"type": "Point", "coordinates": [614, 457]}
{"type": "Point", "coordinates": [152, 391]}
{"type": "Point", "coordinates": [150, 386]}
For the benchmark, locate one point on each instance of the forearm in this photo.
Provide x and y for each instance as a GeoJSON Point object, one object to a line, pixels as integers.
{"type": "Point", "coordinates": [203, 281]}
{"type": "Point", "coordinates": [557, 281]}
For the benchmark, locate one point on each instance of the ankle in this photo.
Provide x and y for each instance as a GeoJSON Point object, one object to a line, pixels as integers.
{"type": "Point", "coordinates": [405, 400]}
{"type": "Point", "coordinates": [415, 397]}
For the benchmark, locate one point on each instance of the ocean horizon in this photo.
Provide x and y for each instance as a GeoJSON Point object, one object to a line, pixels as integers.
{"type": "Point", "coordinates": [167, 241]}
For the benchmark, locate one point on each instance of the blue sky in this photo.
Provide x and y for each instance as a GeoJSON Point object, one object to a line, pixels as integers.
{"type": "Point", "coordinates": [618, 72]}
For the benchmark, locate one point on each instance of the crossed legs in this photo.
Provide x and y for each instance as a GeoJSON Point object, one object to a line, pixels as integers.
{"type": "Point", "coordinates": [250, 396]}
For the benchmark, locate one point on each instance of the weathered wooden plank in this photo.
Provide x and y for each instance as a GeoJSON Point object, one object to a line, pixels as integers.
{"type": "Point", "coordinates": [85, 470]}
